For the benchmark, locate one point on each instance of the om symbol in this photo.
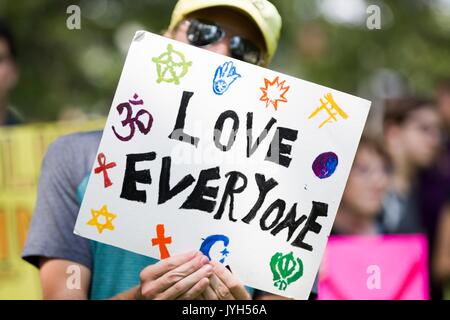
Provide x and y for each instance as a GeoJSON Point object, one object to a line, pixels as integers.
{"type": "Point", "coordinates": [131, 121]}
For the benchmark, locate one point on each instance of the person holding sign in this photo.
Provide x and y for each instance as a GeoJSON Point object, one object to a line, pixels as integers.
{"type": "Point", "coordinates": [247, 30]}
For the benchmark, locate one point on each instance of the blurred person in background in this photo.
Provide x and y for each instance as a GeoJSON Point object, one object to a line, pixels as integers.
{"type": "Point", "coordinates": [412, 131]}
{"type": "Point", "coordinates": [434, 193]}
{"type": "Point", "coordinates": [8, 74]}
{"type": "Point", "coordinates": [362, 200]}
{"type": "Point", "coordinates": [412, 134]}
{"type": "Point", "coordinates": [441, 262]}
{"type": "Point", "coordinates": [361, 244]}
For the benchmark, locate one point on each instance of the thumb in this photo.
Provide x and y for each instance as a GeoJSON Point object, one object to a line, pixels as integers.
{"type": "Point", "coordinates": [219, 73]}
{"type": "Point", "coordinates": [235, 76]}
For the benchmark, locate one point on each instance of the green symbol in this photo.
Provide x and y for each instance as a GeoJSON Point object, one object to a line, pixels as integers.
{"type": "Point", "coordinates": [171, 66]}
{"type": "Point", "coordinates": [286, 269]}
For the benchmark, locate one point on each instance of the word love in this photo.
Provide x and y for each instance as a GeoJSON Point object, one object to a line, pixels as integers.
{"type": "Point", "coordinates": [279, 150]}
{"type": "Point", "coordinates": [275, 216]}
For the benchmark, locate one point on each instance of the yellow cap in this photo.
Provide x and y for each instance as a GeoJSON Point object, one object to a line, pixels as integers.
{"type": "Point", "coordinates": [263, 13]}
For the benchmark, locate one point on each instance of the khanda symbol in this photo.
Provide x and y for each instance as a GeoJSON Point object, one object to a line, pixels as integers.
{"type": "Point", "coordinates": [285, 269]}
{"type": "Point", "coordinates": [133, 121]}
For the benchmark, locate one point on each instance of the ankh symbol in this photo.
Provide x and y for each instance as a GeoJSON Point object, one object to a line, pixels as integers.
{"type": "Point", "coordinates": [103, 167]}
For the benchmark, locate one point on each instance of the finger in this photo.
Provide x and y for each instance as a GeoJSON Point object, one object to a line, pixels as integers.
{"type": "Point", "coordinates": [235, 76]}
{"type": "Point", "coordinates": [225, 68]}
{"type": "Point", "coordinates": [196, 292]}
{"type": "Point", "coordinates": [158, 269]}
{"type": "Point", "coordinates": [218, 73]}
{"type": "Point", "coordinates": [172, 277]}
{"type": "Point", "coordinates": [209, 293]}
{"type": "Point", "coordinates": [220, 289]}
{"type": "Point", "coordinates": [201, 296]}
{"type": "Point", "coordinates": [232, 71]}
{"type": "Point", "coordinates": [233, 284]}
{"type": "Point", "coordinates": [186, 283]}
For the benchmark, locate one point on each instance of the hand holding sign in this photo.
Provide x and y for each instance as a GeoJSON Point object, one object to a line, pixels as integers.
{"type": "Point", "coordinates": [224, 285]}
{"type": "Point", "coordinates": [181, 277]}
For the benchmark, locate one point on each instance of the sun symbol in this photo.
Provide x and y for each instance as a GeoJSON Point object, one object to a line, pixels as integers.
{"type": "Point", "coordinates": [102, 219]}
{"type": "Point", "coordinates": [274, 92]}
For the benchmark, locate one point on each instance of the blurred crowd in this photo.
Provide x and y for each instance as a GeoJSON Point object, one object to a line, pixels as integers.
{"type": "Point", "coordinates": [399, 182]}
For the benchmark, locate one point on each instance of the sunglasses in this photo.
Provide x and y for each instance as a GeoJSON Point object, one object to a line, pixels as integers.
{"type": "Point", "coordinates": [202, 33]}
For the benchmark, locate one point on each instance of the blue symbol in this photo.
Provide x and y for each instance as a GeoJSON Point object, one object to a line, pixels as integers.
{"type": "Point", "coordinates": [225, 75]}
{"type": "Point", "coordinates": [207, 244]}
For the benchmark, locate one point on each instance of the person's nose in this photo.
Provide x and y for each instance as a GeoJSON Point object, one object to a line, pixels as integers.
{"type": "Point", "coordinates": [220, 47]}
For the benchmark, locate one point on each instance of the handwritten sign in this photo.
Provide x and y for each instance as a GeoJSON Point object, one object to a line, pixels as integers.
{"type": "Point", "coordinates": [201, 151]}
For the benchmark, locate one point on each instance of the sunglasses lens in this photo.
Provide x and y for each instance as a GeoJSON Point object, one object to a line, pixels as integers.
{"type": "Point", "coordinates": [202, 33]}
{"type": "Point", "coordinates": [244, 50]}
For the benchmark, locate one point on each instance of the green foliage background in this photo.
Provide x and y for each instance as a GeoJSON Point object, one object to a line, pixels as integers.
{"type": "Point", "coordinates": [63, 69]}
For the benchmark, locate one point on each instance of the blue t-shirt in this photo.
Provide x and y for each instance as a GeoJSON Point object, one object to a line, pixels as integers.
{"type": "Point", "coordinates": [114, 270]}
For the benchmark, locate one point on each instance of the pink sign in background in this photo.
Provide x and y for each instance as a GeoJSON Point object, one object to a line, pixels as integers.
{"type": "Point", "coordinates": [350, 264]}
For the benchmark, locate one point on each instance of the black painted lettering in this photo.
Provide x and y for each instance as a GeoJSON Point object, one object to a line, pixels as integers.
{"type": "Point", "coordinates": [131, 177]}
{"type": "Point", "coordinates": [264, 187]}
{"type": "Point", "coordinates": [197, 200]}
{"type": "Point", "coordinates": [230, 190]}
{"type": "Point", "coordinates": [178, 131]}
{"type": "Point", "coordinates": [319, 209]}
{"type": "Point", "coordinates": [165, 192]}
{"type": "Point", "coordinates": [279, 152]}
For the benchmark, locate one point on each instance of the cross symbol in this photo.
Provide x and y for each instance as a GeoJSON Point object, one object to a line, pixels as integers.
{"type": "Point", "coordinates": [161, 241]}
{"type": "Point", "coordinates": [103, 166]}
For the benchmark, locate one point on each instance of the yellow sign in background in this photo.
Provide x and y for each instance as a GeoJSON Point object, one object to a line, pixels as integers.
{"type": "Point", "coordinates": [22, 149]}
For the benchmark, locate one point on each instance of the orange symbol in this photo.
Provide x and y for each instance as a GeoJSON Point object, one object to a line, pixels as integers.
{"type": "Point", "coordinates": [274, 92]}
{"type": "Point", "coordinates": [102, 219]}
{"type": "Point", "coordinates": [329, 109]}
{"type": "Point", "coordinates": [161, 241]}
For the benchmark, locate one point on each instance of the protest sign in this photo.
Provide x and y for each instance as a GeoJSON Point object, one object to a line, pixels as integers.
{"type": "Point", "coordinates": [22, 148]}
{"type": "Point", "coordinates": [369, 273]}
{"type": "Point", "coordinates": [202, 151]}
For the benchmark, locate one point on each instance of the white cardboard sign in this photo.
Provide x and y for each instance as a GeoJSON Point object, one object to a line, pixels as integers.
{"type": "Point", "coordinates": [201, 151]}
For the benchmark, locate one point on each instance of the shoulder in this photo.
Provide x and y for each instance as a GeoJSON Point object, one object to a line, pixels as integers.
{"type": "Point", "coordinates": [70, 157]}
{"type": "Point", "coordinates": [81, 145]}
{"type": "Point", "coordinates": [83, 140]}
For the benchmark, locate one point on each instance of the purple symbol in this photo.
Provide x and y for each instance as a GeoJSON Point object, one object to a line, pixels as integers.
{"type": "Point", "coordinates": [325, 164]}
{"type": "Point", "coordinates": [131, 121]}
